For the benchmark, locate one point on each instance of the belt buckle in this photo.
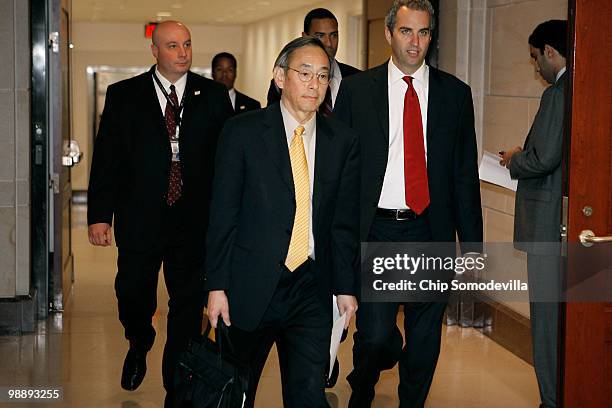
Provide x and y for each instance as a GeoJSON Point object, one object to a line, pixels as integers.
{"type": "Point", "coordinates": [400, 218]}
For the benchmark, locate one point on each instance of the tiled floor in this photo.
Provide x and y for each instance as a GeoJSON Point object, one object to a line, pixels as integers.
{"type": "Point", "coordinates": [82, 350]}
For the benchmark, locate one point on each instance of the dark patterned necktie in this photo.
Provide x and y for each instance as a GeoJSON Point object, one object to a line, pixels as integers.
{"type": "Point", "coordinates": [174, 181]}
{"type": "Point", "coordinates": [326, 107]}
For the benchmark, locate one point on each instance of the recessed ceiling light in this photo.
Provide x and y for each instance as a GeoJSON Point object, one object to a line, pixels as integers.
{"type": "Point", "coordinates": [164, 14]}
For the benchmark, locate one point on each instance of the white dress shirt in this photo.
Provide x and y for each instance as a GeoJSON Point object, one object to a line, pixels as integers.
{"type": "Point", "coordinates": [393, 190]}
{"type": "Point", "coordinates": [334, 83]}
{"type": "Point", "coordinates": [561, 72]}
{"type": "Point", "coordinates": [232, 95]}
{"type": "Point", "coordinates": [179, 86]}
{"type": "Point", "coordinates": [310, 140]}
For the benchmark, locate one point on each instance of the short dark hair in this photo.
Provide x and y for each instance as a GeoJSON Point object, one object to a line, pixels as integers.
{"type": "Point", "coordinates": [222, 55]}
{"type": "Point", "coordinates": [317, 14]}
{"type": "Point", "coordinates": [420, 5]}
{"type": "Point", "coordinates": [553, 33]}
{"type": "Point", "coordinates": [282, 60]}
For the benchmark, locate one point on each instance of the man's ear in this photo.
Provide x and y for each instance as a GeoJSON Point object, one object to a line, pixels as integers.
{"type": "Point", "coordinates": [154, 50]}
{"type": "Point", "coordinates": [388, 35]}
{"type": "Point", "coordinates": [549, 51]}
{"type": "Point", "coordinates": [279, 77]}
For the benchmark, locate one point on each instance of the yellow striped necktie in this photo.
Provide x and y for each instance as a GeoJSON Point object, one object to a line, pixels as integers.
{"type": "Point", "coordinates": [298, 246]}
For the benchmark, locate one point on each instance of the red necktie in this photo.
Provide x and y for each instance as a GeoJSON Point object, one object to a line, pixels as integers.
{"type": "Point", "coordinates": [174, 181]}
{"type": "Point", "coordinates": [415, 169]}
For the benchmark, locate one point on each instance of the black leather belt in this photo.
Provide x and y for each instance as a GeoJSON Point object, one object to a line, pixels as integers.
{"type": "Point", "coordinates": [399, 215]}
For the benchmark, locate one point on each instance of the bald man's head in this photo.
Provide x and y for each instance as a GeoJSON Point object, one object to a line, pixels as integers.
{"type": "Point", "coordinates": [171, 48]}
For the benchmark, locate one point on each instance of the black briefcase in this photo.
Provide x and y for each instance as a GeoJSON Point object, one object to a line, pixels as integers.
{"type": "Point", "coordinates": [208, 374]}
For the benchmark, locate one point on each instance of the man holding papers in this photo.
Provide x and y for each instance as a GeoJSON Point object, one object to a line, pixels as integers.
{"type": "Point", "coordinates": [537, 166]}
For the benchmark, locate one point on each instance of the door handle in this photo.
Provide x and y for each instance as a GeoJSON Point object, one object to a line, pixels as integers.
{"type": "Point", "coordinates": [588, 238]}
{"type": "Point", "coordinates": [72, 154]}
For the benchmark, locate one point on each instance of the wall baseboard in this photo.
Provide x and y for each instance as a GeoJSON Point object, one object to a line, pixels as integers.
{"type": "Point", "coordinates": [18, 315]}
{"type": "Point", "coordinates": [506, 327]}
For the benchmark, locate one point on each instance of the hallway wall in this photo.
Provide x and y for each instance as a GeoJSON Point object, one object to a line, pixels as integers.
{"type": "Point", "coordinates": [15, 148]}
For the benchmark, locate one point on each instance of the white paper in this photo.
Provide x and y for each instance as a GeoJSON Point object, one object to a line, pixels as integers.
{"type": "Point", "coordinates": [492, 172]}
{"type": "Point", "coordinates": [336, 335]}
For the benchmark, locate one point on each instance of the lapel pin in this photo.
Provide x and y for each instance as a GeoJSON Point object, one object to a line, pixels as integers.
{"type": "Point", "coordinates": [242, 107]}
{"type": "Point", "coordinates": [196, 93]}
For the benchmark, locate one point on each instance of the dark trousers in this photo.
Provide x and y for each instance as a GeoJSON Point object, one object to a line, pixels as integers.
{"type": "Point", "coordinates": [378, 341]}
{"type": "Point", "coordinates": [544, 273]}
{"type": "Point", "coordinates": [136, 290]}
{"type": "Point", "coordinates": [301, 328]}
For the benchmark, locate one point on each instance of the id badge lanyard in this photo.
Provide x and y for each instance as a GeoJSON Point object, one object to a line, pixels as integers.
{"type": "Point", "coordinates": [177, 111]}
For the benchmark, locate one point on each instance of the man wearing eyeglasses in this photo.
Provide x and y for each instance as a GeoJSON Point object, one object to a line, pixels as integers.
{"type": "Point", "coordinates": [283, 235]}
{"type": "Point", "coordinates": [322, 24]}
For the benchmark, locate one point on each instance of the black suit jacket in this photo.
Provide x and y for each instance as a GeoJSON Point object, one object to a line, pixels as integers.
{"type": "Point", "coordinates": [274, 94]}
{"type": "Point", "coordinates": [245, 103]}
{"type": "Point", "coordinates": [452, 171]}
{"type": "Point", "coordinates": [131, 159]}
{"type": "Point", "coordinates": [253, 207]}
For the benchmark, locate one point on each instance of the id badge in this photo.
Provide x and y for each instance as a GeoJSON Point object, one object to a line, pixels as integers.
{"type": "Point", "coordinates": [174, 145]}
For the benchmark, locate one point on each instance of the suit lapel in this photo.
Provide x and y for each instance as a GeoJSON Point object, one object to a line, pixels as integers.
{"type": "Point", "coordinates": [434, 106]}
{"type": "Point", "coordinates": [152, 105]}
{"type": "Point", "coordinates": [322, 158]}
{"type": "Point", "coordinates": [380, 92]}
{"type": "Point", "coordinates": [190, 102]}
{"type": "Point", "coordinates": [275, 141]}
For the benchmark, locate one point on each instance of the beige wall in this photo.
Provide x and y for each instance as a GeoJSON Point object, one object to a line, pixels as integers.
{"type": "Point", "coordinates": [15, 149]}
{"type": "Point", "coordinates": [124, 45]}
{"type": "Point", "coordinates": [264, 40]}
{"type": "Point", "coordinates": [485, 43]}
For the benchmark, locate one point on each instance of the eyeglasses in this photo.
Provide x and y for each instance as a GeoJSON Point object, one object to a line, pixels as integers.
{"type": "Point", "coordinates": [306, 76]}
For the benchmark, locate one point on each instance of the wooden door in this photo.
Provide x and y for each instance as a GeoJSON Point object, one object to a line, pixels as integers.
{"type": "Point", "coordinates": [586, 336]}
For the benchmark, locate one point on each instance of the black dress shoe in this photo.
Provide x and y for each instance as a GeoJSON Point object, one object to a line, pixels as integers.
{"type": "Point", "coordinates": [330, 380]}
{"type": "Point", "coordinates": [134, 369]}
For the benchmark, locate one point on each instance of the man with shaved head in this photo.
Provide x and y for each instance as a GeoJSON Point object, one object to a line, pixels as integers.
{"type": "Point", "coordinates": [151, 174]}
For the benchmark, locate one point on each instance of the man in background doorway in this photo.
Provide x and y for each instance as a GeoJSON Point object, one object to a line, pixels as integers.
{"type": "Point", "coordinates": [151, 176]}
{"type": "Point", "coordinates": [224, 71]}
{"type": "Point", "coordinates": [537, 166]}
{"type": "Point", "coordinates": [322, 24]}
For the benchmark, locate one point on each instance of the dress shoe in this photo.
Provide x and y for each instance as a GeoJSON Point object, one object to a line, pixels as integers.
{"type": "Point", "coordinates": [361, 399]}
{"type": "Point", "coordinates": [330, 380]}
{"type": "Point", "coordinates": [134, 369]}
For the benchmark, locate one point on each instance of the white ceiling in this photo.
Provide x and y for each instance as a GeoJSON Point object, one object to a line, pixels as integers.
{"type": "Point", "coordinates": [188, 11]}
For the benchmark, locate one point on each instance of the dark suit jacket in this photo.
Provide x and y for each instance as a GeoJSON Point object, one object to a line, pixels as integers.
{"type": "Point", "coordinates": [131, 159]}
{"type": "Point", "coordinates": [245, 103]}
{"type": "Point", "coordinates": [253, 207]}
{"type": "Point", "coordinates": [452, 170]}
{"type": "Point", "coordinates": [274, 94]}
{"type": "Point", "coordinates": [537, 214]}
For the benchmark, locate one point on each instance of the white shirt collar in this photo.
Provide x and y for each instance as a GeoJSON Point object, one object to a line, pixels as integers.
{"type": "Point", "coordinates": [179, 85]}
{"type": "Point", "coordinates": [395, 74]}
{"type": "Point", "coordinates": [291, 124]}
{"type": "Point", "coordinates": [336, 70]}
{"type": "Point", "coordinates": [232, 95]}
{"type": "Point", "coordinates": [561, 72]}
